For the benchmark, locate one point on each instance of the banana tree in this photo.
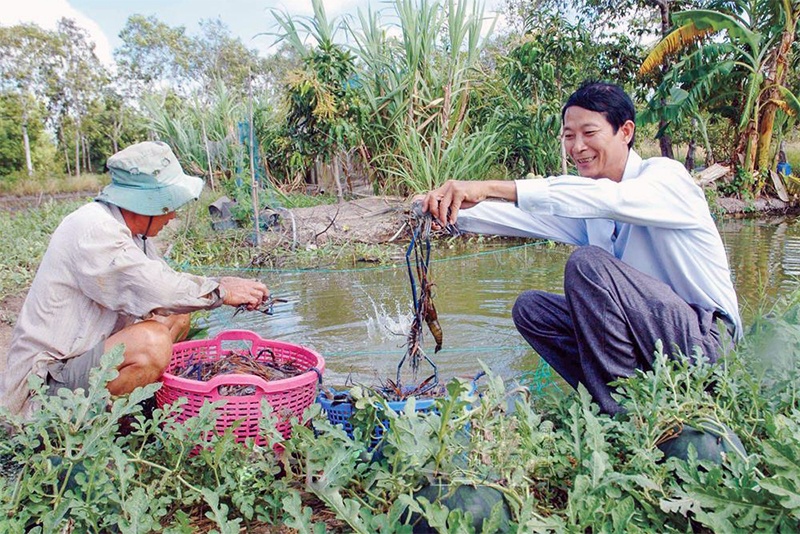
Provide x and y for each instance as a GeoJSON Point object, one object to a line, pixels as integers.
{"type": "Point", "coordinates": [739, 57]}
{"type": "Point", "coordinates": [775, 93]}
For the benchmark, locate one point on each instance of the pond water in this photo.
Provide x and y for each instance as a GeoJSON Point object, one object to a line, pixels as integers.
{"type": "Point", "coordinates": [358, 319]}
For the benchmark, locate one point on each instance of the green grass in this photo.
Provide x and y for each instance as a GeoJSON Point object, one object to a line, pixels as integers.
{"type": "Point", "coordinates": [20, 184]}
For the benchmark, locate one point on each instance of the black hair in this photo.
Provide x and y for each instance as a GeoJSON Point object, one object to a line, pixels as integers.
{"type": "Point", "coordinates": [606, 98]}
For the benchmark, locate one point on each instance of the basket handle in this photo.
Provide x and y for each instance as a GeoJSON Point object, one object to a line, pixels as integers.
{"type": "Point", "coordinates": [236, 379]}
{"type": "Point", "coordinates": [319, 375]}
{"type": "Point", "coordinates": [238, 335]}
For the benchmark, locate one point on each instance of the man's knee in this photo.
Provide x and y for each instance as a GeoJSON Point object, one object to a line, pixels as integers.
{"type": "Point", "coordinates": [158, 348]}
{"type": "Point", "coordinates": [524, 313]}
{"type": "Point", "coordinates": [585, 263]}
{"type": "Point", "coordinates": [148, 344]}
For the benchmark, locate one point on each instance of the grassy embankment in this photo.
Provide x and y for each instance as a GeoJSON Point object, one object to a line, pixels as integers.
{"type": "Point", "coordinates": [51, 184]}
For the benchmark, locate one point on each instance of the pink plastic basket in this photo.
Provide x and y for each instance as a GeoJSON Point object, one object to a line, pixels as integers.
{"type": "Point", "coordinates": [288, 397]}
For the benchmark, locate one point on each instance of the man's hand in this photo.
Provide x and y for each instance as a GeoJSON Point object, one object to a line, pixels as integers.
{"type": "Point", "coordinates": [239, 291]}
{"type": "Point", "coordinates": [443, 203]}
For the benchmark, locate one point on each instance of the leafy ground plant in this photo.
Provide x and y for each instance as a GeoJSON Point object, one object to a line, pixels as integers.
{"type": "Point", "coordinates": [76, 469]}
{"type": "Point", "coordinates": [560, 465]}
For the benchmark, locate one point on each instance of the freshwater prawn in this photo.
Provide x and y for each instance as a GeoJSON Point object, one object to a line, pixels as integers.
{"type": "Point", "coordinates": [422, 297]}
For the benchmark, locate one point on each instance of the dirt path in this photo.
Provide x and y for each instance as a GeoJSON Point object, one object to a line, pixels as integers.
{"type": "Point", "coordinates": [17, 203]}
{"type": "Point", "coordinates": [9, 309]}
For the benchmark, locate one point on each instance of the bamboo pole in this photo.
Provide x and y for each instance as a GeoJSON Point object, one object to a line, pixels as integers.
{"type": "Point", "coordinates": [208, 152]}
{"type": "Point", "coordinates": [252, 161]}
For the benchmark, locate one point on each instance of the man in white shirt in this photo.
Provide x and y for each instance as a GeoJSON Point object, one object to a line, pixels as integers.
{"type": "Point", "coordinates": [99, 284]}
{"type": "Point", "coordinates": [651, 265]}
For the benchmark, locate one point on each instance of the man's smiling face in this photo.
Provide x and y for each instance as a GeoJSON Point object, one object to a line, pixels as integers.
{"type": "Point", "coordinates": [595, 149]}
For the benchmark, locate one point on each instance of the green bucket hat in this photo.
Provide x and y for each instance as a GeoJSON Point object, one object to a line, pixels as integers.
{"type": "Point", "coordinates": [147, 179]}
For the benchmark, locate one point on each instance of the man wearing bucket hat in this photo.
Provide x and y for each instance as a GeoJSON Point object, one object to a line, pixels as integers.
{"type": "Point", "coordinates": [99, 284]}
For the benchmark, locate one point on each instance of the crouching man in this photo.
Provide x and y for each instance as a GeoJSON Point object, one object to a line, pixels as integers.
{"type": "Point", "coordinates": [102, 283]}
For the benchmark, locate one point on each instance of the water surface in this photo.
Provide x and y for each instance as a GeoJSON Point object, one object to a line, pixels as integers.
{"type": "Point", "coordinates": [358, 319]}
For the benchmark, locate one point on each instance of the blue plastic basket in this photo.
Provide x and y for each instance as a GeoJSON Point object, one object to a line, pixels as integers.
{"type": "Point", "coordinates": [339, 412]}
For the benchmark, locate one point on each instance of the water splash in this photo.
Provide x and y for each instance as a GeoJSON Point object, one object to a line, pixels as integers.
{"type": "Point", "coordinates": [384, 325]}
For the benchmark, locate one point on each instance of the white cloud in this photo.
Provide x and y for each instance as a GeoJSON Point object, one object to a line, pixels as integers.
{"type": "Point", "coordinates": [46, 13]}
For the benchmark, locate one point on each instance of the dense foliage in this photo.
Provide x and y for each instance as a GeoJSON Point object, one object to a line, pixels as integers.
{"type": "Point", "coordinates": [444, 97]}
{"type": "Point", "coordinates": [560, 465]}
{"type": "Point", "coordinates": [735, 59]}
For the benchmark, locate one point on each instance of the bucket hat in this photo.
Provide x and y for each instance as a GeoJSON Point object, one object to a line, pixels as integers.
{"type": "Point", "coordinates": [147, 179]}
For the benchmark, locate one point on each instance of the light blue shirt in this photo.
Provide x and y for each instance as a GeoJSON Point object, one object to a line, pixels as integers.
{"type": "Point", "coordinates": [656, 219]}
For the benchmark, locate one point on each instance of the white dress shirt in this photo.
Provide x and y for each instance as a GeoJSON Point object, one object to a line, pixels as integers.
{"type": "Point", "coordinates": [655, 219]}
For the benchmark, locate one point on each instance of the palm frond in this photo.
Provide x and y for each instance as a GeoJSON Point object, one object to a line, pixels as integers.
{"type": "Point", "coordinates": [695, 24]}
{"type": "Point", "coordinates": [790, 104]}
{"type": "Point", "coordinates": [674, 42]}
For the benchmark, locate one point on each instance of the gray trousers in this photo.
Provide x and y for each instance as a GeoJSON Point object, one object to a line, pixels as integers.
{"type": "Point", "coordinates": [606, 324]}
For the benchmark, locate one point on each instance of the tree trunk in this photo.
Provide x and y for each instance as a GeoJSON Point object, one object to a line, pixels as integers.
{"type": "Point", "coordinates": [690, 149]}
{"type": "Point", "coordinates": [27, 143]}
{"type": "Point", "coordinates": [348, 170]}
{"type": "Point", "coordinates": [748, 126]}
{"type": "Point", "coordinates": [665, 142]}
{"type": "Point", "coordinates": [751, 142]}
{"type": "Point", "coordinates": [366, 161]}
{"type": "Point", "coordinates": [117, 134]}
{"type": "Point", "coordinates": [87, 160]}
{"type": "Point", "coordinates": [335, 164]}
{"type": "Point", "coordinates": [77, 153]}
{"type": "Point", "coordinates": [66, 156]}
{"type": "Point", "coordinates": [773, 80]}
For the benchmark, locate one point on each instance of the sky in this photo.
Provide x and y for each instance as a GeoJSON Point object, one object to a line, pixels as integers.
{"type": "Point", "coordinates": [104, 19]}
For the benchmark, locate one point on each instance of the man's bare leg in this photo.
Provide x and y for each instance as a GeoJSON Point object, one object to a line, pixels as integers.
{"type": "Point", "coordinates": [178, 325]}
{"type": "Point", "coordinates": [148, 349]}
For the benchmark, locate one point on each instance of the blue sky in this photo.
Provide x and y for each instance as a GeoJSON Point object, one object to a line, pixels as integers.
{"type": "Point", "coordinates": [245, 18]}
